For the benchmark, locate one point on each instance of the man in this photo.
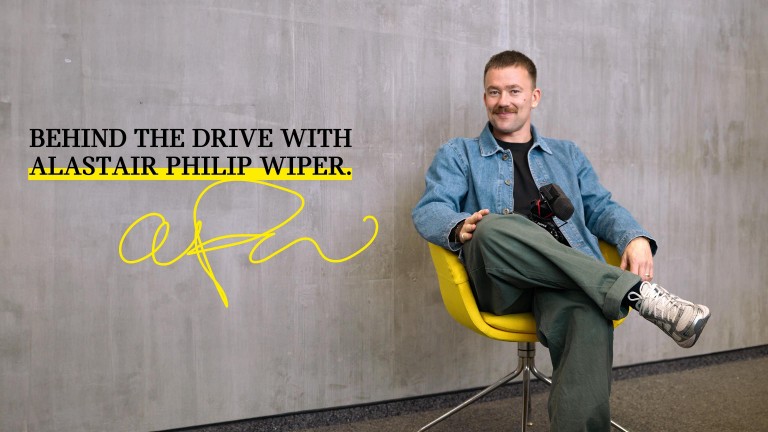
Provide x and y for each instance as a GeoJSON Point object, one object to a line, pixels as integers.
{"type": "Point", "coordinates": [478, 194]}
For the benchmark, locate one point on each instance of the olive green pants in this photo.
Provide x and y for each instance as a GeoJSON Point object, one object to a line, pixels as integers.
{"type": "Point", "coordinates": [516, 266]}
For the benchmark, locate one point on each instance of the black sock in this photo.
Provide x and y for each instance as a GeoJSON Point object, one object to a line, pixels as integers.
{"type": "Point", "coordinates": [626, 302]}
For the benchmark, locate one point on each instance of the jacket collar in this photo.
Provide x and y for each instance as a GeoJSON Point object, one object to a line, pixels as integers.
{"type": "Point", "coordinates": [489, 146]}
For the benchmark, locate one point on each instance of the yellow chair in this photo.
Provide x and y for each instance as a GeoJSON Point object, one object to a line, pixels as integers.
{"type": "Point", "coordinates": [520, 328]}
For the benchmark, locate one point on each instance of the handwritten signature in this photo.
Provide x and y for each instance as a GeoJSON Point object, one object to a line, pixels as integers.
{"type": "Point", "coordinates": [201, 248]}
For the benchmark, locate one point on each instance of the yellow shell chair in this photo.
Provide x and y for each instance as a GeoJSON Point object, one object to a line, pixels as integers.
{"type": "Point", "coordinates": [520, 328]}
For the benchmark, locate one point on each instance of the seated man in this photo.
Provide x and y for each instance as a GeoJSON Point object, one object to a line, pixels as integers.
{"type": "Point", "coordinates": [478, 194]}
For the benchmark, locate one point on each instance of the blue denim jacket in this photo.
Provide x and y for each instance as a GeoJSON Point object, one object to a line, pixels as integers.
{"type": "Point", "coordinates": [468, 175]}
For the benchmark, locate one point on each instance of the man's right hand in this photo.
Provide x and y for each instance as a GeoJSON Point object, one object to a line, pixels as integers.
{"type": "Point", "coordinates": [470, 224]}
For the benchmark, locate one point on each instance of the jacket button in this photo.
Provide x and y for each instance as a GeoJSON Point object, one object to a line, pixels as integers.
{"type": "Point", "coordinates": [505, 211]}
{"type": "Point", "coordinates": [505, 157]}
{"type": "Point", "coordinates": [507, 182]}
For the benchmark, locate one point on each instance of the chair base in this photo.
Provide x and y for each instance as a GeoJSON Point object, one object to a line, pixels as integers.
{"type": "Point", "coordinates": [526, 352]}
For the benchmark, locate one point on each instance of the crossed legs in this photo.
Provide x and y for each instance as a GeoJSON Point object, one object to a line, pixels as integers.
{"type": "Point", "coordinates": [516, 266]}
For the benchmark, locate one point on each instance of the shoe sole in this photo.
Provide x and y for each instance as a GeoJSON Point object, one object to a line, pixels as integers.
{"type": "Point", "coordinates": [698, 327]}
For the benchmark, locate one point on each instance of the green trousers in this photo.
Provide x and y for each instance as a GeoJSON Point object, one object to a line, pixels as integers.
{"type": "Point", "coordinates": [516, 266]}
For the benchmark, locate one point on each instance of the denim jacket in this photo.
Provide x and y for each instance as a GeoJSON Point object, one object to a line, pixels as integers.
{"type": "Point", "coordinates": [468, 175]}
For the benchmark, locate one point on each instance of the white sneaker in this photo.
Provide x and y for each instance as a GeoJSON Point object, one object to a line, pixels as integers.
{"type": "Point", "coordinates": [682, 320]}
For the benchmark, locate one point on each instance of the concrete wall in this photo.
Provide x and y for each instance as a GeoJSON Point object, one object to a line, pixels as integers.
{"type": "Point", "coordinates": [668, 99]}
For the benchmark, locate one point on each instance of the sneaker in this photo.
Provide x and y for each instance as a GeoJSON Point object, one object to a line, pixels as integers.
{"type": "Point", "coordinates": [682, 320]}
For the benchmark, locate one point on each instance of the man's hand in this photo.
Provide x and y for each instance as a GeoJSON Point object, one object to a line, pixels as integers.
{"type": "Point", "coordinates": [638, 259]}
{"type": "Point", "coordinates": [470, 224]}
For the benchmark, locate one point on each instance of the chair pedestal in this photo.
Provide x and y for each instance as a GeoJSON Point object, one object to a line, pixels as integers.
{"type": "Point", "coordinates": [526, 353]}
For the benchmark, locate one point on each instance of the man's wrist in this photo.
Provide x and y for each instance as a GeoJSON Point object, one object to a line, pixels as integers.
{"type": "Point", "coordinates": [453, 237]}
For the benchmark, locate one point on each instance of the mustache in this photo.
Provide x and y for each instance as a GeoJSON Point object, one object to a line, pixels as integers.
{"type": "Point", "coordinates": [503, 110]}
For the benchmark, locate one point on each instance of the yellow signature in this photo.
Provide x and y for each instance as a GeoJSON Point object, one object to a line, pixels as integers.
{"type": "Point", "coordinates": [200, 248]}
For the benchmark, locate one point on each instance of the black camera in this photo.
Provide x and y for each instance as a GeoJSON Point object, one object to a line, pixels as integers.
{"type": "Point", "coordinates": [553, 202]}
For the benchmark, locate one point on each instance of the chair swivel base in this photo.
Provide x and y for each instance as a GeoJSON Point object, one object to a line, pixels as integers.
{"type": "Point", "coordinates": [526, 352]}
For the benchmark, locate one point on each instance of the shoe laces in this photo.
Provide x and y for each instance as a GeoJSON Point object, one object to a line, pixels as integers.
{"type": "Point", "coordinates": [656, 302]}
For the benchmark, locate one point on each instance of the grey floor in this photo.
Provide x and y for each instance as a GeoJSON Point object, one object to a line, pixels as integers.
{"type": "Point", "coordinates": [718, 392]}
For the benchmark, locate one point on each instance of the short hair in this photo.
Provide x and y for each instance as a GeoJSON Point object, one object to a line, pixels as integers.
{"type": "Point", "coordinates": [510, 58]}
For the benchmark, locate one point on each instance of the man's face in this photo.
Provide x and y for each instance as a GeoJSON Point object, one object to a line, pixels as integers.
{"type": "Point", "coordinates": [509, 98]}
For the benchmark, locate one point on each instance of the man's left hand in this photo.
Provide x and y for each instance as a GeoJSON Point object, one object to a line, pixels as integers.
{"type": "Point", "coordinates": [638, 259]}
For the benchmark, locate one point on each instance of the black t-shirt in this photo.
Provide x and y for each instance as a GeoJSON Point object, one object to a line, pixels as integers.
{"type": "Point", "coordinates": [525, 191]}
